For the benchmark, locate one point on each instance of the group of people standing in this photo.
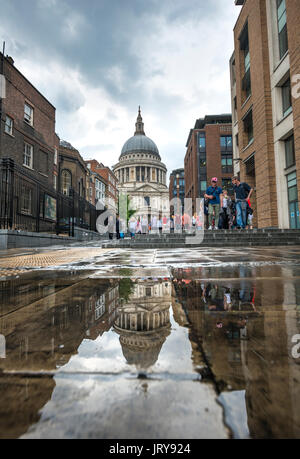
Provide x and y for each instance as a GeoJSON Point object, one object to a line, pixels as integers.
{"type": "Point", "coordinates": [222, 212]}
{"type": "Point", "coordinates": [226, 213]}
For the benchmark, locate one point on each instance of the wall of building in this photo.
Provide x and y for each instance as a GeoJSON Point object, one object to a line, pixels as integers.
{"type": "Point", "coordinates": [41, 135]}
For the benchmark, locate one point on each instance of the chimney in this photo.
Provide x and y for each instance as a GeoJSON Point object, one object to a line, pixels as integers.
{"type": "Point", "coordinates": [10, 60]}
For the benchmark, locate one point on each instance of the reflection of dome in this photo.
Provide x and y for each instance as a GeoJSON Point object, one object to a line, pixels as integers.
{"type": "Point", "coordinates": [142, 350]}
{"type": "Point", "coordinates": [144, 323]}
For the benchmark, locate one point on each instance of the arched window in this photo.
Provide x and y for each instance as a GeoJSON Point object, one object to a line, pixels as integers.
{"type": "Point", "coordinates": [66, 182]}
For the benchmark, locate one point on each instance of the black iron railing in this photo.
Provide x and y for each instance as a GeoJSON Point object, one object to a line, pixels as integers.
{"type": "Point", "coordinates": [28, 205]}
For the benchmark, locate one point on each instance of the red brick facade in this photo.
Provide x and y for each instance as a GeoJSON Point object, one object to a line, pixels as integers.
{"type": "Point", "coordinates": [203, 163]}
{"type": "Point", "coordinates": [40, 134]}
{"type": "Point", "coordinates": [110, 179]}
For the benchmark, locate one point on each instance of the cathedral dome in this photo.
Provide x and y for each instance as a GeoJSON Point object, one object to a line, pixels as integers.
{"type": "Point", "coordinates": [140, 143]}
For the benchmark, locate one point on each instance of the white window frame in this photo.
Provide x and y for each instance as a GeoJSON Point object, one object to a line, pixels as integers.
{"type": "Point", "coordinates": [28, 117]}
{"type": "Point", "coordinates": [9, 126]}
{"type": "Point", "coordinates": [55, 156]}
{"type": "Point", "coordinates": [26, 155]}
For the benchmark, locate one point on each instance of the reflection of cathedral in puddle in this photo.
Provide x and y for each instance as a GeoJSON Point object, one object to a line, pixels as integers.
{"type": "Point", "coordinates": [143, 322]}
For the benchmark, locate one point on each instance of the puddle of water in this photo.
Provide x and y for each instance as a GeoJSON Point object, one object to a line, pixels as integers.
{"type": "Point", "coordinates": [246, 329]}
{"type": "Point", "coordinates": [113, 346]}
{"type": "Point", "coordinates": [141, 357]}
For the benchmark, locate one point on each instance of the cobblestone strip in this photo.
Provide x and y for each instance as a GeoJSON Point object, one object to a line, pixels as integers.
{"type": "Point", "coordinates": [54, 258]}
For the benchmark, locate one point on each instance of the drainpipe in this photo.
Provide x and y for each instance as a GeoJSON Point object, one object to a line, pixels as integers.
{"type": "Point", "coordinates": [1, 73]}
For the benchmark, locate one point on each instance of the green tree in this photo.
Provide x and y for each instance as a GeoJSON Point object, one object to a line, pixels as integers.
{"type": "Point", "coordinates": [125, 207]}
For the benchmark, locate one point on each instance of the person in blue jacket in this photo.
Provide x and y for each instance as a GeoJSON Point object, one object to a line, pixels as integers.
{"type": "Point", "coordinates": [215, 197]}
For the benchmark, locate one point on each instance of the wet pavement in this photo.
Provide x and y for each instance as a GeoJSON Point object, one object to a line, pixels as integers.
{"type": "Point", "coordinates": [185, 343]}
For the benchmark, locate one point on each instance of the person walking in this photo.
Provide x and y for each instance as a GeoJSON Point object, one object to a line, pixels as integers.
{"type": "Point", "coordinates": [144, 224]}
{"type": "Point", "coordinates": [215, 196]}
{"type": "Point", "coordinates": [118, 227]}
{"type": "Point", "coordinates": [139, 226]}
{"type": "Point", "coordinates": [132, 227]}
{"type": "Point", "coordinates": [225, 211]}
{"type": "Point", "coordinates": [154, 225]}
{"type": "Point", "coordinates": [111, 227]}
{"type": "Point", "coordinates": [243, 194]}
{"type": "Point", "coordinates": [249, 216]}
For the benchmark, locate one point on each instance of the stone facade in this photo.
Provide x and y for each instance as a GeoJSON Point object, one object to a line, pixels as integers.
{"type": "Point", "coordinates": [142, 175]}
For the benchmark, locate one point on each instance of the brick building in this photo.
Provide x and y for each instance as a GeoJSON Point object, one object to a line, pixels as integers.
{"type": "Point", "coordinates": [72, 170]}
{"type": "Point", "coordinates": [97, 189]}
{"type": "Point", "coordinates": [265, 75]}
{"type": "Point", "coordinates": [209, 154]}
{"type": "Point", "coordinates": [111, 181]}
{"type": "Point", "coordinates": [27, 132]}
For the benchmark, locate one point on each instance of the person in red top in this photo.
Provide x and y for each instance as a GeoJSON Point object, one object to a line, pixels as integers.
{"type": "Point", "coordinates": [249, 216]}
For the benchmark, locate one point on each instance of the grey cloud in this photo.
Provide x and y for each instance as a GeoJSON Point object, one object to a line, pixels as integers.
{"type": "Point", "coordinates": [68, 101]}
{"type": "Point", "coordinates": [104, 36]}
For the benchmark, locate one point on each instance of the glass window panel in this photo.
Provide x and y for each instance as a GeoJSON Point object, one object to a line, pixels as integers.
{"type": "Point", "coordinates": [290, 151]}
{"type": "Point", "coordinates": [229, 141]}
{"type": "Point", "coordinates": [282, 22]}
{"type": "Point", "coordinates": [203, 186]}
{"type": "Point", "coordinates": [223, 141]}
{"type": "Point", "coordinates": [293, 194]}
{"type": "Point", "coordinates": [292, 176]}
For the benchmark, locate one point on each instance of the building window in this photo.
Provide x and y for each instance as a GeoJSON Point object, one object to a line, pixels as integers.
{"type": "Point", "coordinates": [203, 186]}
{"type": "Point", "coordinates": [28, 114]}
{"type": "Point", "coordinates": [26, 200]}
{"type": "Point", "coordinates": [289, 152]}
{"type": "Point", "coordinates": [43, 162]}
{"type": "Point", "coordinates": [28, 155]}
{"type": "Point", "coordinates": [282, 28]}
{"type": "Point", "coordinates": [227, 185]}
{"type": "Point", "coordinates": [147, 201]}
{"type": "Point", "coordinates": [202, 142]}
{"type": "Point", "coordinates": [286, 98]}
{"type": "Point", "coordinates": [55, 156]}
{"type": "Point", "coordinates": [9, 123]}
{"type": "Point", "coordinates": [248, 127]}
{"type": "Point", "coordinates": [244, 46]}
{"type": "Point", "coordinates": [202, 162]}
{"type": "Point", "coordinates": [55, 182]}
{"type": "Point", "coordinates": [227, 163]}
{"type": "Point", "coordinates": [226, 143]}
{"type": "Point", "coordinates": [66, 182]}
{"type": "Point", "coordinates": [293, 200]}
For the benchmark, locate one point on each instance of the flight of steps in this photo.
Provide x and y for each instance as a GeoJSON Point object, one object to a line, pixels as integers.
{"type": "Point", "coordinates": [221, 238]}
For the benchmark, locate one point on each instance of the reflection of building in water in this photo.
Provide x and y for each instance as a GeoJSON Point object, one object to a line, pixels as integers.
{"type": "Point", "coordinates": [43, 335]}
{"type": "Point", "coordinates": [55, 325]}
{"type": "Point", "coordinates": [250, 350]}
{"type": "Point", "coordinates": [143, 322]}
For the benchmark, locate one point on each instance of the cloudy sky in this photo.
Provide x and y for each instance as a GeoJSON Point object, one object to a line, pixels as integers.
{"type": "Point", "coordinates": [97, 60]}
